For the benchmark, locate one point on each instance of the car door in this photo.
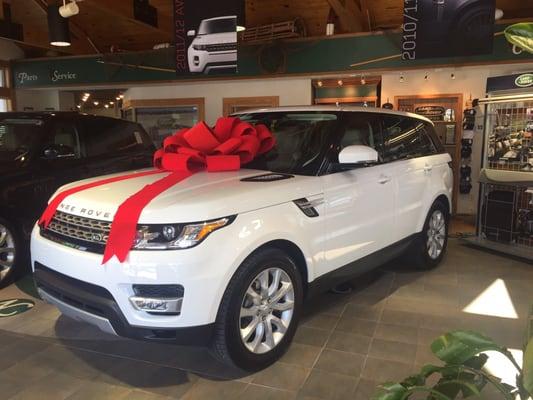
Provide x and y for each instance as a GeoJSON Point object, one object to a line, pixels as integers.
{"type": "Point", "coordinates": [114, 145]}
{"type": "Point", "coordinates": [405, 150]}
{"type": "Point", "coordinates": [360, 201]}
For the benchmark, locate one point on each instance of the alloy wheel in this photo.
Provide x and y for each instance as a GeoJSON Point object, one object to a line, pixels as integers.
{"type": "Point", "coordinates": [266, 310]}
{"type": "Point", "coordinates": [436, 234]}
{"type": "Point", "coordinates": [7, 252]}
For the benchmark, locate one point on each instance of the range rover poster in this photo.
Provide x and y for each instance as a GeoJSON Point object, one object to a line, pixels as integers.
{"type": "Point", "coordinates": [447, 28]}
{"type": "Point", "coordinates": [205, 32]}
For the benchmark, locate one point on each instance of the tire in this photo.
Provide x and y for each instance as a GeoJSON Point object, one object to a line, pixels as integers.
{"type": "Point", "coordinates": [10, 261]}
{"type": "Point", "coordinates": [425, 255]}
{"type": "Point", "coordinates": [234, 339]}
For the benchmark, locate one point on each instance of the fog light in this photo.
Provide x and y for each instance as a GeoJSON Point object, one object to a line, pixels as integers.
{"type": "Point", "coordinates": [157, 306]}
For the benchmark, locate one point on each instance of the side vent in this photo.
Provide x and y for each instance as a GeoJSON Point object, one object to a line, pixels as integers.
{"type": "Point", "coordinates": [267, 178]}
{"type": "Point", "coordinates": [308, 207]}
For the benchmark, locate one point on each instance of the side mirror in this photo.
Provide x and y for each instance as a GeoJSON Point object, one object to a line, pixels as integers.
{"type": "Point", "coordinates": [55, 151]}
{"type": "Point", "coordinates": [357, 155]}
{"type": "Point", "coordinates": [191, 33]}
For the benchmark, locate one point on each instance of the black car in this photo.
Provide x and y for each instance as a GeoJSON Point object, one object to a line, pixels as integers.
{"type": "Point", "coordinates": [39, 152]}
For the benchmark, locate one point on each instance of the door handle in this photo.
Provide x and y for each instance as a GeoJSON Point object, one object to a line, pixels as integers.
{"type": "Point", "coordinates": [383, 179]}
{"type": "Point", "coordinates": [428, 168]}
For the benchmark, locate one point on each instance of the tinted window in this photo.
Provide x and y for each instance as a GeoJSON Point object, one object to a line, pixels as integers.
{"type": "Point", "coordinates": [301, 137]}
{"type": "Point", "coordinates": [107, 135]}
{"type": "Point", "coordinates": [64, 134]}
{"type": "Point", "coordinates": [404, 137]}
{"type": "Point", "coordinates": [18, 137]}
{"type": "Point", "coordinates": [218, 26]}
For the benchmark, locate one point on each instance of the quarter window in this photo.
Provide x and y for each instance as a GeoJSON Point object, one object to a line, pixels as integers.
{"type": "Point", "coordinates": [404, 138]}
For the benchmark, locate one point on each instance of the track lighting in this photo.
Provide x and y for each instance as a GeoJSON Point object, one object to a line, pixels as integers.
{"type": "Point", "coordinates": [402, 79]}
{"type": "Point", "coordinates": [96, 103]}
{"type": "Point", "coordinates": [340, 82]}
{"type": "Point", "coordinates": [58, 30]}
{"type": "Point", "coordinates": [452, 76]}
{"type": "Point", "coordinates": [426, 77]}
{"type": "Point", "coordinates": [68, 10]}
{"type": "Point", "coordinates": [319, 83]}
{"type": "Point", "coordinates": [363, 80]}
{"type": "Point", "coordinates": [106, 105]}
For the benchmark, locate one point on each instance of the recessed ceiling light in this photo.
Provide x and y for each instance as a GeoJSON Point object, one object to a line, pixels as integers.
{"type": "Point", "coordinates": [340, 82]}
{"type": "Point", "coordinates": [106, 105]}
{"type": "Point", "coordinates": [96, 103]}
{"type": "Point", "coordinates": [320, 83]}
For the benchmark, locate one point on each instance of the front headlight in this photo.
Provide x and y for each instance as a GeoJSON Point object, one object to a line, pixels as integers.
{"type": "Point", "coordinates": [176, 236]}
{"type": "Point", "coordinates": [199, 47]}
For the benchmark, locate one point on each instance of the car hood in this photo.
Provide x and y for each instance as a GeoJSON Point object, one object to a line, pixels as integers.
{"type": "Point", "coordinates": [216, 38]}
{"type": "Point", "coordinates": [202, 196]}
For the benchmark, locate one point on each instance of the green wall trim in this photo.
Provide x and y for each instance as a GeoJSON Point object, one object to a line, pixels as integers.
{"type": "Point", "coordinates": [291, 57]}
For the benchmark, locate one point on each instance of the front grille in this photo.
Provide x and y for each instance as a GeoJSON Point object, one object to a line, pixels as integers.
{"type": "Point", "coordinates": [79, 232]}
{"type": "Point", "coordinates": [221, 47]}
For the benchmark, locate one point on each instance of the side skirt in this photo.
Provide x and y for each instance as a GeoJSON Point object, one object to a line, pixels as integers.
{"type": "Point", "coordinates": [359, 267]}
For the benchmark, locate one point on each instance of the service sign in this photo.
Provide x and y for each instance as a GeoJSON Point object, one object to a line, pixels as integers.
{"type": "Point", "coordinates": [447, 28]}
{"type": "Point", "coordinates": [206, 35]}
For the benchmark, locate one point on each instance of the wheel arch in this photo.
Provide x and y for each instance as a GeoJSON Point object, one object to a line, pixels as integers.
{"type": "Point", "coordinates": [296, 254]}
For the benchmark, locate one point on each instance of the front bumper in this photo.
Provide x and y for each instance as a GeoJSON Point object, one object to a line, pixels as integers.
{"type": "Point", "coordinates": [95, 305]}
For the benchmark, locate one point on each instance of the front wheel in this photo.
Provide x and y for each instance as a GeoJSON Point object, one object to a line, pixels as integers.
{"type": "Point", "coordinates": [429, 248]}
{"type": "Point", "coordinates": [9, 247]}
{"type": "Point", "coordinates": [259, 311]}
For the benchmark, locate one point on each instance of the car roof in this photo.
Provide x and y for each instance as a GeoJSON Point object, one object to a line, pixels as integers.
{"type": "Point", "coordinates": [339, 108]}
{"type": "Point", "coordinates": [48, 115]}
{"type": "Point", "coordinates": [215, 18]}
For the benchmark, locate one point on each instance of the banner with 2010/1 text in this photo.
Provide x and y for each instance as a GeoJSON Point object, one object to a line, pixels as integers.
{"type": "Point", "coordinates": [205, 33]}
{"type": "Point", "coordinates": [447, 28]}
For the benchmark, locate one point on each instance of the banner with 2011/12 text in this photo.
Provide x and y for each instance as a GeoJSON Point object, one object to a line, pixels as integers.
{"type": "Point", "coordinates": [447, 28]}
{"type": "Point", "coordinates": [205, 33]}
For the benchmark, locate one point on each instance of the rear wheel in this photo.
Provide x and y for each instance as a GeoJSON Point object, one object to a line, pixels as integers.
{"type": "Point", "coordinates": [429, 248]}
{"type": "Point", "coordinates": [9, 249]}
{"type": "Point", "coordinates": [259, 311]}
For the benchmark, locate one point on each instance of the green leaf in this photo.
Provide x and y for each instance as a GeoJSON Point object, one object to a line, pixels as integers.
{"type": "Point", "coordinates": [390, 391]}
{"type": "Point", "coordinates": [454, 386]}
{"type": "Point", "coordinates": [477, 362]}
{"type": "Point", "coordinates": [521, 35]}
{"type": "Point", "coordinates": [429, 369]}
{"type": "Point", "coordinates": [527, 374]}
{"type": "Point", "coordinates": [459, 346]}
{"type": "Point", "coordinates": [414, 380]}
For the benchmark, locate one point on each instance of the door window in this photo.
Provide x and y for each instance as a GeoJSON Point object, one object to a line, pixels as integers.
{"type": "Point", "coordinates": [404, 138]}
{"type": "Point", "coordinates": [64, 137]}
{"type": "Point", "coordinates": [113, 136]}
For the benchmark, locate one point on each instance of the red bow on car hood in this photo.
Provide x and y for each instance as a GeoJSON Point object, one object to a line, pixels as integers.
{"type": "Point", "coordinates": [230, 144]}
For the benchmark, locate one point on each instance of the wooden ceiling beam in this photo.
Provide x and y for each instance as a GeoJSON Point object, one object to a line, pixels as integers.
{"type": "Point", "coordinates": [349, 13]}
{"type": "Point", "coordinates": [124, 9]}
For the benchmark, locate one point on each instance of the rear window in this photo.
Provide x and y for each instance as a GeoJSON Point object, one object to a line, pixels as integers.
{"type": "Point", "coordinates": [103, 136]}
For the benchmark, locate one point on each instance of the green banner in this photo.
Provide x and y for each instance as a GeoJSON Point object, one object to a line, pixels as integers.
{"type": "Point", "coordinates": [305, 56]}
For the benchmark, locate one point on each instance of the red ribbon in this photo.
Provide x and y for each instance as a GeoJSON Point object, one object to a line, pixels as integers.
{"type": "Point", "coordinates": [229, 145]}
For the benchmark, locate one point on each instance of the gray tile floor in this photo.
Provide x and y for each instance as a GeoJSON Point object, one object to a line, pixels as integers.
{"type": "Point", "coordinates": [346, 344]}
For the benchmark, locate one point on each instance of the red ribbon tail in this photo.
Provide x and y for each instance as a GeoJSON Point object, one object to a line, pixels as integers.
{"type": "Point", "coordinates": [124, 225]}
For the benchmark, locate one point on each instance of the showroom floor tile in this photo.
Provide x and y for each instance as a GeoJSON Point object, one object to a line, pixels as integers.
{"type": "Point", "coordinates": [344, 347]}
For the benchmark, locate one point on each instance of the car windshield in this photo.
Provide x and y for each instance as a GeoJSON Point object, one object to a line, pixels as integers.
{"type": "Point", "coordinates": [301, 139]}
{"type": "Point", "coordinates": [18, 136]}
{"type": "Point", "coordinates": [223, 25]}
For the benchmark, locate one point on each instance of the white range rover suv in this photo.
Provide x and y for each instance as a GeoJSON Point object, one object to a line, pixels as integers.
{"type": "Point", "coordinates": [226, 259]}
{"type": "Point", "coordinates": [214, 46]}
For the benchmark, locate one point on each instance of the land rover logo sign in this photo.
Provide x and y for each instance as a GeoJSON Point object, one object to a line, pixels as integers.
{"type": "Point", "coordinates": [525, 80]}
{"type": "Point", "coordinates": [11, 307]}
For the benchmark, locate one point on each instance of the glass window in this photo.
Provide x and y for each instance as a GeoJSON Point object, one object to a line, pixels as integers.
{"type": "Point", "coordinates": [3, 105]}
{"type": "Point", "coordinates": [221, 25]}
{"type": "Point", "coordinates": [301, 140]}
{"type": "Point", "coordinates": [109, 135]}
{"type": "Point", "coordinates": [403, 139]}
{"type": "Point", "coordinates": [18, 137]}
{"type": "Point", "coordinates": [162, 122]}
{"type": "Point", "coordinates": [65, 136]}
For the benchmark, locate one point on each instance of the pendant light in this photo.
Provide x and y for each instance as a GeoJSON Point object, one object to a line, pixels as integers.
{"type": "Point", "coordinates": [58, 29]}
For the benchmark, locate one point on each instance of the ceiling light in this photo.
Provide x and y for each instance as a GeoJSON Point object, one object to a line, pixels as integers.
{"type": "Point", "coordinates": [68, 10]}
{"type": "Point", "coordinates": [402, 79]}
{"type": "Point", "coordinates": [121, 96]}
{"type": "Point", "coordinates": [106, 105]}
{"type": "Point", "coordinates": [452, 76]}
{"type": "Point", "coordinates": [117, 98]}
{"type": "Point", "coordinates": [86, 94]}
{"type": "Point", "coordinates": [58, 30]}
{"type": "Point", "coordinates": [240, 28]}
{"type": "Point", "coordinates": [111, 102]}
{"type": "Point", "coordinates": [78, 106]}
{"type": "Point", "coordinates": [320, 83]}
{"type": "Point", "coordinates": [426, 77]}
{"type": "Point", "coordinates": [96, 103]}
{"type": "Point", "coordinates": [340, 82]}
{"type": "Point", "coordinates": [363, 80]}
{"type": "Point", "coordinates": [498, 14]}
{"type": "Point", "coordinates": [84, 99]}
